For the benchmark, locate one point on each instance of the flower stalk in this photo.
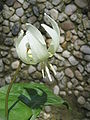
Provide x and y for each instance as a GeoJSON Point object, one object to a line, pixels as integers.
{"type": "Point", "coordinates": [9, 89]}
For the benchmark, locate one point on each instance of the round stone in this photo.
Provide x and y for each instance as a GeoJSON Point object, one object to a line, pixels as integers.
{"type": "Point", "coordinates": [69, 85]}
{"type": "Point", "coordinates": [85, 49]}
{"type": "Point", "coordinates": [36, 11]}
{"type": "Point", "coordinates": [56, 90]}
{"type": "Point", "coordinates": [81, 3]}
{"type": "Point", "coordinates": [81, 100]}
{"type": "Point", "coordinates": [14, 18]}
{"type": "Point", "coordinates": [87, 58]}
{"type": "Point", "coordinates": [78, 75]}
{"type": "Point", "coordinates": [15, 64]}
{"type": "Point", "coordinates": [54, 14]}
{"type": "Point", "coordinates": [75, 82]}
{"type": "Point", "coordinates": [72, 60]}
{"type": "Point", "coordinates": [19, 12]}
{"type": "Point", "coordinates": [70, 9]}
{"type": "Point", "coordinates": [15, 29]}
{"type": "Point", "coordinates": [69, 72]}
{"type": "Point", "coordinates": [31, 69]}
{"type": "Point", "coordinates": [59, 75]}
{"type": "Point", "coordinates": [10, 2]}
{"type": "Point", "coordinates": [62, 17]}
{"type": "Point", "coordinates": [73, 17]}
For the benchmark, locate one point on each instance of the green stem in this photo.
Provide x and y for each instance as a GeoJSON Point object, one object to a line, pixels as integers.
{"type": "Point", "coordinates": [8, 91]}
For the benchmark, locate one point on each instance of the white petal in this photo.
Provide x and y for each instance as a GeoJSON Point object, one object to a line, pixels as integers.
{"type": "Point", "coordinates": [48, 73]}
{"type": "Point", "coordinates": [55, 39]}
{"type": "Point", "coordinates": [36, 33]}
{"type": "Point", "coordinates": [39, 50]}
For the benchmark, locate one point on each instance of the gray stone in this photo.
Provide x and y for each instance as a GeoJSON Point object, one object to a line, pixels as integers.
{"type": "Point", "coordinates": [68, 36]}
{"type": "Point", "coordinates": [49, 5]}
{"type": "Point", "coordinates": [8, 79]}
{"type": "Point", "coordinates": [1, 66]}
{"type": "Point", "coordinates": [10, 2]}
{"type": "Point", "coordinates": [66, 54]}
{"type": "Point", "coordinates": [73, 17]}
{"type": "Point", "coordinates": [78, 54]}
{"type": "Point", "coordinates": [67, 25]}
{"type": "Point", "coordinates": [81, 100]}
{"type": "Point", "coordinates": [8, 42]}
{"type": "Point", "coordinates": [54, 14]}
{"type": "Point", "coordinates": [76, 92]}
{"type": "Point", "coordinates": [32, 19]}
{"type": "Point", "coordinates": [88, 114]}
{"type": "Point", "coordinates": [47, 109]}
{"type": "Point", "coordinates": [87, 105]}
{"type": "Point", "coordinates": [32, 1]}
{"type": "Point", "coordinates": [78, 43]}
{"type": "Point", "coordinates": [21, 1]}
{"type": "Point", "coordinates": [36, 11]}
{"type": "Point", "coordinates": [4, 53]}
{"type": "Point", "coordinates": [25, 5]}
{"type": "Point", "coordinates": [56, 90]}
{"type": "Point", "coordinates": [80, 88]}
{"type": "Point", "coordinates": [70, 9]}
{"type": "Point", "coordinates": [59, 75]}
{"type": "Point", "coordinates": [1, 19]}
{"type": "Point", "coordinates": [19, 12]}
{"type": "Point", "coordinates": [87, 58]}
{"type": "Point", "coordinates": [31, 69]}
{"type": "Point", "coordinates": [69, 85]}
{"type": "Point", "coordinates": [78, 75]}
{"type": "Point", "coordinates": [85, 49]}
{"type": "Point", "coordinates": [81, 3]}
{"type": "Point", "coordinates": [72, 60]}
{"type": "Point", "coordinates": [40, 1]}
{"type": "Point", "coordinates": [15, 64]}
{"type": "Point", "coordinates": [80, 34]}
{"type": "Point", "coordinates": [23, 19]}
{"type": "Point", "coordinates": [6, 29]}
{"type": "Point", "coordinates": [62, 17]}
{"type": "Point", "coordinates": [69, 72]}
{"type": "Point", "coordinates": [80, 68]}
{"type": "Point", "coordinates": [87, 68]}
{"type": "Point", "coordinates": [2, 82]}
{"type": "Point", "coordinates": [15, 29]}
{"type": "Point", "coordinates": [67, 1]}
{"type": "Point", "coordinates": [62, 93]}
{"type": "Point", "coordinates": [37, 75]}
{"type": "Point", "coordinates": [14, 18]}
{"type": "Point", "coordinates": [75, 82]}
{"type": "Point", "coordinates": [56, 2]}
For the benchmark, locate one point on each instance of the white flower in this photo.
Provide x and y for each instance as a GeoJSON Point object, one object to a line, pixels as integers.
{"type": "Point", "coordinates": [32, 49]}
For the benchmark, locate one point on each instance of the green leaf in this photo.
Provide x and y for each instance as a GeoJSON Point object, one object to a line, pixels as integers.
{"type": "Point", "coordinates": [37, 94]}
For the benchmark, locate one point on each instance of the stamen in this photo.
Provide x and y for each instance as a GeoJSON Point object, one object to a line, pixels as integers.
{"type": "Point", "coordinates": [48, 73]}
{"type": "Point", "coordinates": [52, 68]}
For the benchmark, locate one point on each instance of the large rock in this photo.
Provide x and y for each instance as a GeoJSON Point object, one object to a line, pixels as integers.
{"type": "Point", "coordinates": [67, 25]}
{"type": "Point", "coordinates": [70, 9]}
{"type": "Point", "coordinates": [81, 3]}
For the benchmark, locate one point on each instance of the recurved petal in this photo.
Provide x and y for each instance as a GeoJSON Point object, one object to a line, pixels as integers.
{"type": "Point", "coordinates": [55, 39]}
{"type": "Point", "coordinates": [36, 33]}
{"type": "Point", "coordinates": [39, 50]}
{"type": "Point", "coordinates": [21, 49]}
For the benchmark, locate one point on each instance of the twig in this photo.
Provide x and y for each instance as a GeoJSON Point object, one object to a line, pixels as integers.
{"type": "Point", "coordinates": [8, 91]}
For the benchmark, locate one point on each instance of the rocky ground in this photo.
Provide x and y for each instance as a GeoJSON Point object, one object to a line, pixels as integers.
{"type": "Point", "coordinates": [72, 60]}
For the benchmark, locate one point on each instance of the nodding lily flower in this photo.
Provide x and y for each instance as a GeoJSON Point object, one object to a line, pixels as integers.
{"type": "Point", "coordinates": [32, 49]}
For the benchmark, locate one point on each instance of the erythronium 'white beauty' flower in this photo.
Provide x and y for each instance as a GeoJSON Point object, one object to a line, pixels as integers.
{"type": "Point", "coordinates": [32, 49]}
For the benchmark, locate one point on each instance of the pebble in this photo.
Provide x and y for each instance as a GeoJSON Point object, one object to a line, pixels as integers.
{"type": "Point", "coordinates": [15, 29]}
{"type": "Point", "coordinates": [47, 109]}
{"type": "Point", "coordinates": [69, 72]}
{"type": "Point", "coordinates": [80, 88]}
{"type": "Point", "coordinates": [75, 82]}
{"type": "Point", "coordinates": [76, 92]}
{"type": "Point", "coordinates": [40, 1]}
{"type": "Point", "coordinates": [78, 75]}
{"type": "Point", "coordinates": [56, 90]}
{"type": "Point", "coordinates": [87, 106]}
{"type": "Point", "coordinates": [73, 17]}
{"type": "Point", "coordinates": [78, 43]}
{"type": "Point", "coordinates": [70, 9]}
{"type": "Point", "coordinates": [69, 85]}
{"type": "Point", "coordinates": [15, 65]}
{"type": "Point", "coordinates": [31, 69]}
{"type": "Point", "coordinates": [19, 12]}
{"type": "Point", "coordinates": [14, 18]}
{"type": "Point", "coordinates": [87, 58]}
{"type": "Point", "coordinates": [62, 17]}
{"type": "Point", "coordinates": [56, 2]}
{"type": "Point", "coordinates": [73, 60]}
{"type": "Point", "coordinates": [10, 2]}
{"type": "Point", "coordinates": [85, 49]}
{"type": "Point", "coordinates": [8, 42]}
{"type": "Point", "coordinates": [17, 5]}
{"type": "Point", "coordinates": [80, 68]}
{"type": "Point", "coordinates": [21, 1]}
{"type": "Point", "coordinates": [67, 25]}
{"type": "Point", "coordinates": [78, 54]}
{"type": "Point", "coordinates": [81, 100]}
{"type": "Point", "coordinates": [81, 3]}
{"type": "Point", "coordinates": [66, 54]}
{"type": "Point", "coordinates": [62, 93]}
{"type": "Point", "coordinates": [8, 79]}
{"type": "Point", "coordinates": [32, 19]}
{"type": "Point", "coordinates": [59, 76]}
{"type": "Point", "coordinates": [36, 11]}
{"type": "Point", "coordinates": [68, 36]}
{"type": "Point", "coordinates": [1, 66]}
{"type": "Point", "coordinates": [25, 5]}
{"type": "Point", "coordinates": [6, 29]}
{"type": "Point", "coordinates": [87, 68]}
{"type": "Point", "coordinates": [54, 13]}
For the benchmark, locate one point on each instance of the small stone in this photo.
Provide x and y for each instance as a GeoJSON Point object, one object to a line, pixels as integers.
{"type": "Point", "coordinates": [23, 19]}
{"type": "Point", "coordinates": [59, 75]}
{"type": "Point", "coordinates": [17, 5]}
{"type": "Point", "coordinates": [32, 1]}
{"type": "Point", "coordinates": [87, 106]}
{"type": "Point", "coordinates": [14, 53]}
{"type": "Point", "coordinates": [15, 29]}
{"type": "Point", "coordinates": [69, 72]}
{"type": "Point", "coordinates": [78, 54]}
{"type": "Point", "coordinates": [75, 82]}
{"type": "Point", "coordinates": [36, 11]}
{"type": "Point", "coordinates": [1, 19]}
{"type": "Point", "coordinates": [49, 5]}
{"type": "Point", "coordinates": [8, 79]}
{"type": "Point", "coordinates": [32, 19]}
{"type": "Point", "coordinates": [81, 3]}
{"type": "Point", "coordinates": [31, 69]}
{"type": "Point", "coordinates": [4, 53]}
{"type": "Point", "coordinates": [68, 36]}
{"type": "Point", "coordinates": [87, 58]}
{"type": "Point", "coordinates": [14, 18]}
{"type": "Point", "coordinates": [81, 100]}
{"type": "Point", "coordinates": [73, 17]}
{"type": "Point", "coordinates": [80, 34]}
{"type": "Point", "coordinates": [2, 82]}
{"type": "Point", "coordinates": [6, 29]}
{"type": "Point", "coordinates": [69, 85]}
{"type": "Point", "coordinates": [88, 114]}
{"type": "Point", "coordinates": [56, 2]}
{"type": "Point", "coordinates": [78, 75]}
{"type": "Point", "coordinates": [47, 109]}
{"type": "Point", "coordinates": [67, 1]}
{"type": "Point", "coordinates": [62, 17]}
{"type": "Point", "coordinates": [62, 93]}
{"type": "Point", "coordinates": [8, 42]}
{"type": "Point", "coordinates": [19, 12]}
{"type": "Point", "coordinates": [70, 9]}
{"type": "Point", "coordinates": [10, 2]}
{"type": "Point", "coordinates": [56, 90]}
{"type": "Point", "coordinates": [87, 68]}
{"type": "Point", "coordinates": [78, 43]}
{"type": "Point", "coordinates": [80, 88]}
{"type": "Point", "coordinates": [85, 49]}
{"type": "Point", "coordinates": [67, 25]}
{"type": "Point", "coordinates": [54, 14]}
{"type": "Point", "coordinates": [1, 66]}
{"type": "Point", "coordinates": [66, 54]}
{"type": "Point", "coordinates": [37, 75]}
{"type": "Point", "coordinates": [80, 68]}
{"type": "Point", "coordinates": [72, 60]}
{"type": "Point", "coordinates": [25, 5]}
{"type": "Point", "coordinates": [15, 64]}
{"type": "Point", "coordinates": [21, 1]}
{"type": "Point", "coordinates": [76, 92]}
